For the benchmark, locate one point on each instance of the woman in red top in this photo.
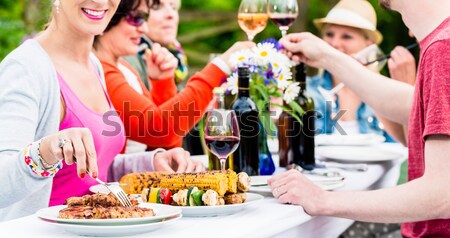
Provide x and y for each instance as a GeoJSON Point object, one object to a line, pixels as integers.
{"type": "Point", "coordinates": [160, 117]}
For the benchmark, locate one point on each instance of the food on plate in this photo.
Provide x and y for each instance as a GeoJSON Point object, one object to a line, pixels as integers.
{"type": "Point", "coordinates": [210, 188]}
{"type": "Point", "coordinates": [235, 198]}
{"type": "Point", "coordinates": [157, 195]}
{"type": "Point", "coordinates": [204, 181]}
{"type": "Point", "coordinates": [104, 200]}
{"type": "Point", "coordinates": [102, 206]}
{"type": "Point", "coordinates": [134, 183]}
{"type": "Point", "coordinates": [243, 182]}
{"type": "Point", "coordinates": [99, 212]}
{"type": "Point", "coordinates": [219, 181]}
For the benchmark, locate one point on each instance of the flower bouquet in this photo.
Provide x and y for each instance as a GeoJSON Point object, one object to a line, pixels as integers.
{"type": "Point", "coordinates": [271, 79]}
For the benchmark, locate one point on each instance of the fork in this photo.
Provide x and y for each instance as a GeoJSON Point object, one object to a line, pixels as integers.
{"type": "Point", "coordinates": [118, 192]}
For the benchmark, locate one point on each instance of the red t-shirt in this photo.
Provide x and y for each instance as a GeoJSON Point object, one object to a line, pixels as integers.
{"type": "Point", "coordinates": [430, 115]}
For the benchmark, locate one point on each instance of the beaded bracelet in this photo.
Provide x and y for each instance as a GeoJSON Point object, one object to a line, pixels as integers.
{"type": "Point", "coordinates": [40, 170]}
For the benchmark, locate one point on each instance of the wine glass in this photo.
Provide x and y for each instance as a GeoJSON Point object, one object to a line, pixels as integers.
{"type": "Point", "coordinates": [371, 57]}
{"type": "Point", "coordinates": [221, 133]}
{"type": "Point", "coordinates": [252, 17]}
{"type": "Point", "coordinates": [283, 13]}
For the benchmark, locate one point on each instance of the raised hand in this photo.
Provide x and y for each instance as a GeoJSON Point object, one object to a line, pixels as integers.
{"type": "Point", "coordinates": [177, 160]}
{"type": "Point", "coordinates": [240, 45]}
{"type": "Point", "coordinates": [71, 145]}
{"type": "Point", "coordinates": [402, 65]}
{"type": "Point", "coordinates": [308, 48]}
{"type": "Point", "coordinates": [161, 64]}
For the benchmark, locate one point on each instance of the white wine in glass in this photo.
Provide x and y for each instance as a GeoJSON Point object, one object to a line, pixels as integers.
{"type": "Point", "coordinates": [283, 13]}
{"type": "Point", "coordinates": [252, 17]}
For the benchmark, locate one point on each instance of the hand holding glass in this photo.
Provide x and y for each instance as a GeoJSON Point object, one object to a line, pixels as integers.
{"type": "Point", "coordinates": [252, 17]}
{"type": "Point", "coordinates": [221, 133]}
{"type": "Point", "coordinates": [283, 13]}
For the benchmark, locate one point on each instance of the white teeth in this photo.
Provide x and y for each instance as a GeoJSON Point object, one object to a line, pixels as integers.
{"type": "Point", "coordinates": [94, 13]}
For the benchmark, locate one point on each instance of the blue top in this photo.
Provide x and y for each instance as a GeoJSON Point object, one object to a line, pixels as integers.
{"type": "Point", "coordinates": [327, 114]}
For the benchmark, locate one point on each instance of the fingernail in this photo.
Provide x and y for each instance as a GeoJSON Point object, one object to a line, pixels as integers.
{"type": "Point", "coordinates": [82, 175]}
{"type": "Point", "coordinates": [94, 174]}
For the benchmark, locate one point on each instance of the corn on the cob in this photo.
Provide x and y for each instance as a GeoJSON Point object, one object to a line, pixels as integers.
{"type": "Point", "coordinates": [134, 183]}
{"type": "Point", "coordinates": [232, 179]}
{"type": "Point", "coordinates": [204, 181]}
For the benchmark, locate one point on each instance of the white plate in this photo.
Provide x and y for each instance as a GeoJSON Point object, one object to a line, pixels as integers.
{"type": "Point", "coordinates": [98, 188]}
{"type": "Point", "coordinates": [114, 230]}
{"type": "Point", "coordinates": [325, 183]}
{"type": "Point", "coordinates": [357, 153]}
{"type": "Point", "coordinates": [198, 211]}
{"type": "Point", "coordinates": [162, 211]}
{"type": "Point", "coordinates": [355, 140]}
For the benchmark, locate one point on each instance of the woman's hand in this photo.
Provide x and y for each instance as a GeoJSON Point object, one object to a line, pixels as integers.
{"type": "Point", "coordinates": [176, 160]}
{"type": "Point", "coordinates": [161, 64]}
{"type": "Point", "coordinates": [402, 65]}
{"type": "Point", "coordinates": [71, 145]}
{"type": "Point", "coordinates": [240, 45]}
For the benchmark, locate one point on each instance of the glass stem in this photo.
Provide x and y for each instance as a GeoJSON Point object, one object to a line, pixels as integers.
{"type": "Point", "coordinates": [222, 163]}
{"type": "Point", "coordinates": [250, 37]}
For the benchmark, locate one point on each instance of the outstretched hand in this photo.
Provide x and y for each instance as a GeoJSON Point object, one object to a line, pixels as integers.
{"type": "Point", "coordinates": [308, 48]}
{"type": "Point", "coordinates": [177, 160]}
{"type": "Point", "coordinates": [161, 64]}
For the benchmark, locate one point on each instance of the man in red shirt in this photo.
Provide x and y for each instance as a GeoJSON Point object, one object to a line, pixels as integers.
{"type": "Point", "coordinates": [422, 204]}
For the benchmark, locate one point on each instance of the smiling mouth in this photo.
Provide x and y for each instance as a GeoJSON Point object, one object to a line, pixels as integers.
{"type": "Point", "coordinates": [94, 14]}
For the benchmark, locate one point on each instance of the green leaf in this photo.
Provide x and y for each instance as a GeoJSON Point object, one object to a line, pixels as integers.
{"type": "Point", "coordinates": [269, 127]}
{"type": "Point", "coordinates": [262, 91]}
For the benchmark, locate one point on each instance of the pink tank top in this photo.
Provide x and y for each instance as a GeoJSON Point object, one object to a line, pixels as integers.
{"type": "Point", "coordinates": [108, 133]}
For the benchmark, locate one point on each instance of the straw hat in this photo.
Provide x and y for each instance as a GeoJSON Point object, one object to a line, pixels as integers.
{"type": "Point", "coordinates": [354, 13]}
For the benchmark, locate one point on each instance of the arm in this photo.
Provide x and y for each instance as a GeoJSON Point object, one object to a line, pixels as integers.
{"type": "Point", "coordinates": [19, 118]}
{"type": "Point", "coordinates": [160, 126]}
{"type": "Point", "coordinates": [405, 203]}
{"type": "Point", "coordinates": [175, 160]}
{"type": "Point", "coordinates": [389, 98]}
{"type": "Point", "coordinates": [420, 199]}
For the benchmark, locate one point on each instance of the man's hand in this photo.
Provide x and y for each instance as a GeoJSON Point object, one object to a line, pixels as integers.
{"type": "Point", "coordinates": [161, 64]}
{"type": "Point", "coordinates": [307, 48]}
{"type": "Point", "coordinates": [292, 187]}
{"type": "Point", "coordinates": [176, 160]}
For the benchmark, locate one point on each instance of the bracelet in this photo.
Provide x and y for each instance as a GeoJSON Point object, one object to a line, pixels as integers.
{"type": "Point", "coordinates": [39, 169]}
{"type": "Point", "coordinates": [44, 163]}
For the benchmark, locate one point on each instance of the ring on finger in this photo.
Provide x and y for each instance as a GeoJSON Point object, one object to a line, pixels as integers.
{"type": "Point", "coordinates": [62, 142]}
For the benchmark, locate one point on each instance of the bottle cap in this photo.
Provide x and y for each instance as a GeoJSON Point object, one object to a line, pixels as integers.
{"type": "Point", "coordinates": [300, 72]}
{"type": "Point", "coordinates": [243, 77]}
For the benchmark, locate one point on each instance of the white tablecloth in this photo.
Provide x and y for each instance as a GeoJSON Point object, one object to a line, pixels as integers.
{"type": "Point", "coordinates": [266, 218]}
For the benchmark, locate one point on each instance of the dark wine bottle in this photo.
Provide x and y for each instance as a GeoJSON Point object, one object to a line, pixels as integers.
{"type": "Point", "coordinates": [284, 144]}
{"type": "Point", "coordinates": [302, 139]}
{"type": "Point", "coordinates": [213, 160]}
{"type": "Point", "coordinates": [246, 156]}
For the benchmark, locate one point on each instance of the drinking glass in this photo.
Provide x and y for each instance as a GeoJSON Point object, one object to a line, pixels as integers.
{"type": "Point", "coordinates": [283, 13]}
{"type": "Point", "coordinates": [252, 17]}
{"type": "Point", "coordinates": [372, 57]}
{"type": "Point", "coordinates": [221, 133]}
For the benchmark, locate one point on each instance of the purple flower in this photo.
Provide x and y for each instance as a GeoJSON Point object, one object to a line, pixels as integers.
{"type": "Point", "coordinates": [275, 43]}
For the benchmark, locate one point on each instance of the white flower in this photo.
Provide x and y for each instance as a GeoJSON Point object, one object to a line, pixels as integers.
{"type": "Point", "coordinates": [264, 52]}
{"type": "Point", "coordinates": [291, 92]}
{"type": "Point", "coordinates": [232, 83]}
{"type": "Point", "coordinates": [240, 57]}
{"type": "Point", "coordinates": [283, 77]}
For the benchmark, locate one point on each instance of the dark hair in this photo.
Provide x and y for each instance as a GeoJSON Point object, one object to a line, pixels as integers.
{"type": "Point", "coordinates": [125, 7]}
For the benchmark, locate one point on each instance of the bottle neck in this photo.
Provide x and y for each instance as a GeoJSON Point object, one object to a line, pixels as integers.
{"type": "Point", "coordinates": [220, 101]}
{"type": "Point", "coordinates": [244, 92]}
{"type": "Point", "coordinates": [302, 85]}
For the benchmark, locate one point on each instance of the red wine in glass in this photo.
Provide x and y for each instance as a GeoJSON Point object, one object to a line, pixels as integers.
{"type": "Point", "coordinates": [222, 146]}
{"type": "Point", "coordinates": [283, 20]}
